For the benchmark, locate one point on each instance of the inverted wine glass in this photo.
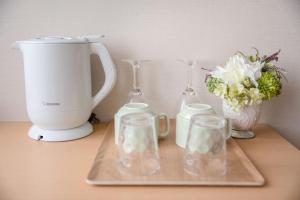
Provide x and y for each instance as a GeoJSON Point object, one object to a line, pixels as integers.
{"type": "Point", "coordinates": [136, 94]}
{"type": "Point", "coordinates": [189, 95]}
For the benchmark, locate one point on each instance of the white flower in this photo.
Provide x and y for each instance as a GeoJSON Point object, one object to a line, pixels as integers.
{"type": "Point", "coordinates": [237, 69]}
{"type": "Point", "coordinates": [220, 90]}
{"type": "Point", "coordinates": [255, 96]}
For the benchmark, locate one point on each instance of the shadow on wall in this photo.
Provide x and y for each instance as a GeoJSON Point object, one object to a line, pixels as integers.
{"type": "Point", "coordinates": [284, 107]}
{"type": "Point", "coordinates": [118, 95]}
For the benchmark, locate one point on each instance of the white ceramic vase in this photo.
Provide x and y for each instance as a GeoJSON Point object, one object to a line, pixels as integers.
{"type": "Point", "coordinates": [242, 121]}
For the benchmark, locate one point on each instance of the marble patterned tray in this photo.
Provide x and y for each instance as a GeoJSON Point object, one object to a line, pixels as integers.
{"type": "Point", "coordinates": [240, 170]}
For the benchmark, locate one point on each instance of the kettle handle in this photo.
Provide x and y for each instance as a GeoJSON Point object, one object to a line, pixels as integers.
{"type": "Point", "coordinates": [109, 71]}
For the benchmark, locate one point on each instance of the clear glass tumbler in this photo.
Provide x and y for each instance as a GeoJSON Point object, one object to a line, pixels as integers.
{"type": "Point", "coordinates": [205, 151]}
{"type": "Point", "coordinates": [137, 145]}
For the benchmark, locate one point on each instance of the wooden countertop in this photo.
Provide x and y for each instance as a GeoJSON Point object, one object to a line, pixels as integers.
{"type": "Point", "coordinates": [45, 170]}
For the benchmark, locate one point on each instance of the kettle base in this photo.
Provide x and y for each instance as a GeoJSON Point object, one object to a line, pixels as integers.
{"type": "Point", "coordinates": [37, 133]}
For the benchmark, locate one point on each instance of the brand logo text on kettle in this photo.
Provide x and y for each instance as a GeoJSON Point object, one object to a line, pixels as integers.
{"type": "Point", "coordinates": [50, 103]}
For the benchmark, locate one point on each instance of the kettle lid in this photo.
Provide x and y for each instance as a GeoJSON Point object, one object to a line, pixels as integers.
{"type": "Point", "coordinates": [56, 40]}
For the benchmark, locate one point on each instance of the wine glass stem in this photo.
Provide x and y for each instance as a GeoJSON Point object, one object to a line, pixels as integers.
{"type": "Point", "coordinates": [135, 77]}
{"type": "Point", "coordinates": [190, 76]}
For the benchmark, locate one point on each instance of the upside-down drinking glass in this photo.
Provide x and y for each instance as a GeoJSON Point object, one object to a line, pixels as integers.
{"type": "Point", "coordinates": [205, 151]}
{"type": "Point", "coordinates": [137, 145]}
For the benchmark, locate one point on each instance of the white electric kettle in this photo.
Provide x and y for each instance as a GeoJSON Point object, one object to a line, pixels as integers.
{"type": "Point", "coordinates": [58, 85]}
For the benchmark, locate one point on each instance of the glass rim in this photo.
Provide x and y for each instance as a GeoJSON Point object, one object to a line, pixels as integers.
{"type": "Point", "coordinates": [137, 119]}
{"type": "Point", "coordinates": [208, 121]}
{"type": "Point", "coordinates": [198, 106]}
{"type": "Point", "coordinates": [136, 105]}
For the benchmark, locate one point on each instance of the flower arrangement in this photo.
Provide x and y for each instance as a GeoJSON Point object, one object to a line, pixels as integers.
{"type": "Point", "coordinates": [246, 80]}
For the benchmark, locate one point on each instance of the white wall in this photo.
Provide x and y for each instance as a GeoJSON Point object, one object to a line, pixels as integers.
{"type": "Point", "coordinates": [164, 31]}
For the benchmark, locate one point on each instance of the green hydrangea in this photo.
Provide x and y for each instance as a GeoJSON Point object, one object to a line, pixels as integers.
{"type": "Point", "coordinates": [212, 83]}
{"type": "Point", "coordinates": [269, 85]}
{"type": "Point", "coordinates": [246, 80]}
{"type": "Point", "coordinates": [236, 95]}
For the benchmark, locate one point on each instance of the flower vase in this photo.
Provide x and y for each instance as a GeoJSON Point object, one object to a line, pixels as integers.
{"type": "Point", "coordinates": [242, 121]}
